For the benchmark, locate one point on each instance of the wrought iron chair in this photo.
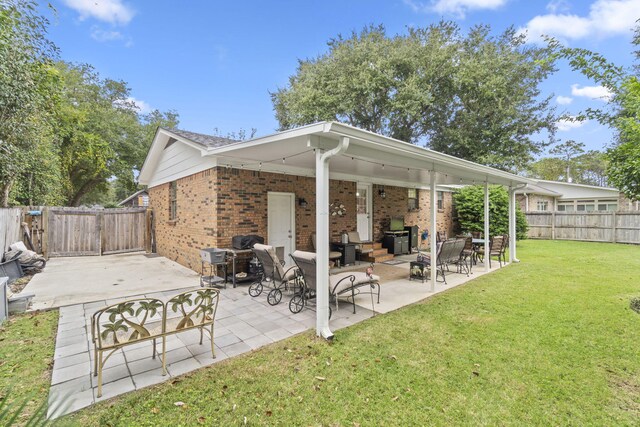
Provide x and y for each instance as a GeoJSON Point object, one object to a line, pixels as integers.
{"type": "Point", "coordinates": [346, 284]}
{"type": "Point", "coordinates": [273, 273]}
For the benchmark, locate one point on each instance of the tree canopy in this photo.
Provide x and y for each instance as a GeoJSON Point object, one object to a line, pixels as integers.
{"type": "Point", "coordinates": [475, 96]}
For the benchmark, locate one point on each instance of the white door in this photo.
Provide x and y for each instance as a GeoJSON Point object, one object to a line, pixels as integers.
{"type": "Point", "coordinates": [363, 210]}
{"type": "Point", "coordinates": [281, 225]}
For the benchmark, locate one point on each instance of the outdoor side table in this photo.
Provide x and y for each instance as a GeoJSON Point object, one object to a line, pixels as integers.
{"type": "Point", "coordinates": [419, 270]}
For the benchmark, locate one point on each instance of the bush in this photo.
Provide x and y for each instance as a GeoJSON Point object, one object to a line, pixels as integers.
{"type": "Point", "coordinates": [469, 203]}
{"type": "Point", "coordinates": [635, 304]}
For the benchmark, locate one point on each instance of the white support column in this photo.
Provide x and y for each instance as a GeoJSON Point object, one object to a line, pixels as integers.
{"type": "Point", "coordinates": [486, 226]}
{"type": "Point", "coordinates": [512, 225]}
{"type": "Point", "coordinates": [434, 211]}
{"type": "Point", "coordinates": [322, 245]}
{"type": "Point", "coordinates": [322, 237]}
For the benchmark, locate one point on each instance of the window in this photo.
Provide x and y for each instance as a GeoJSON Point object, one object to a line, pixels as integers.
{"type": "Point", "coordinates": [543, 205]}
{"type": "Point", "coordinates": [412, 195]}
{"type": "Point", "coordinates": [440, 200]}
{"type": "Point", "coordinates": [566, 207]}
{"type": "Point", "coordinates": [173, 201]}
{"type": "Point", "coordinates": [608, 207]}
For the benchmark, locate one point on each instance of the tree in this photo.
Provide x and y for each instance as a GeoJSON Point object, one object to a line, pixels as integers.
{"type": "Point", "coordinates": [622, 112]}
{"type": "Point", "coordinates": [567, 151]}
{"type": "Point", "coordinates": [28, 96]}
{"type": "Point", "coordinates": [473, 96]}
{"type": "Point", "coordinates": [469, 205]}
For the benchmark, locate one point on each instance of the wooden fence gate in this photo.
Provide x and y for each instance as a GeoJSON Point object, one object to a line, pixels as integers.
{"type": "Point", "coordinates": [77, 232]}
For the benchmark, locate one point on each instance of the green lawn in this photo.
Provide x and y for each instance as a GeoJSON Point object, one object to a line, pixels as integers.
{"type": "Point", "coordinates": [26, 357]}
{"type": "Point", "coordinates": [549, 341]}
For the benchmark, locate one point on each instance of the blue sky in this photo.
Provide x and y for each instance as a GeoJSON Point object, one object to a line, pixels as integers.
{"type": "Point", "coordinates": [215, 62]}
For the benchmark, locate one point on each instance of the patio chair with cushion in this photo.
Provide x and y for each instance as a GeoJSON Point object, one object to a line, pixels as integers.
{"type": "Point", "coordinates": [334, 256]}
{"type": "Point", "coordinates": [361, 250]}
{"type": "Point", "coordinates": [273, 274]}
{"type": "Point", "coordinates": [347, 284]}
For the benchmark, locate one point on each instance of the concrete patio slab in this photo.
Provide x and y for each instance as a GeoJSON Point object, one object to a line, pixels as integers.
{"type": "Point", "coordinates": [248, 324]}
{"type": "Point", "coordinates": [100, 279]}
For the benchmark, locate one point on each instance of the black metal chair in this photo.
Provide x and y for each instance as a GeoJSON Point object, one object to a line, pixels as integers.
{"type": "Point", "coordinates": [347, 284]}
{"type": "Point", "coordinates": [273, 273]}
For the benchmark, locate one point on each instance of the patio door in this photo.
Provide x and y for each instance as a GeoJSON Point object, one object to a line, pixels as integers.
{"type": "Point", "coordinates": [363, 210]}
{"type": "Point", "coordinates": [281, 223]}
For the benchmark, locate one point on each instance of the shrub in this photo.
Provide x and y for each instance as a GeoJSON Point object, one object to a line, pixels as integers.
{"type": "Point", "coordinates": [469, 203]}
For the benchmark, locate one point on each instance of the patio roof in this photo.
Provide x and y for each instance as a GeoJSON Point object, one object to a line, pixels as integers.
{"type": "Point", "coordinates": [369, 158]}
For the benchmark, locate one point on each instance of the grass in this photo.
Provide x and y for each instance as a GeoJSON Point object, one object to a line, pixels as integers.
{"type": "Point", "coordinates": [549, 341]}
{"type": "Point", "coordinates": [26, 356]}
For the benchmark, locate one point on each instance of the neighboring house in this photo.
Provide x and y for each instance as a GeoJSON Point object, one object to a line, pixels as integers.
{"type": "Point", "coordinates": [137, 199]}
{"type": "Point", "coordinates": [204, 190]}
{"type": "Point", "coordinates": [550, 196]}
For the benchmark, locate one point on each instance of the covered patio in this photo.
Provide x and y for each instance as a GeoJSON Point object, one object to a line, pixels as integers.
{"type": "Point", "coordinates": [330, 150]}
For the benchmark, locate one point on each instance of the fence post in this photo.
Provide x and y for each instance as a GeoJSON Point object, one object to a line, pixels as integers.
{"type": "Point", "coordinates": [553, 225]}
{"type": "Point", "coordinates": [45, 232]}
{"type": "Point", "coordinates": [613, 227]}
{"type": "Point", "coordinates": [102, 236]}
{"type": "Point", "coordinates": [147, 233]}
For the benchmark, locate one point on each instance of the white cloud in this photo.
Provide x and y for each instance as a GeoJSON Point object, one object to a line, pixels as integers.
{"type": "Point", "coordinates": [556, 6]}
{"type": "Point", "coordinates": [564, 100]}
{"type": "Point", "coordinates": [111, 11]}
{"type": "Point", "coordinates": [132, 103]}
{"type": "Point", "coordinates": [454, 7]}
{"type": "Point", "coordinates": [104, 36]}
{"type": "Point", "coordinates": [606, 18]}
{"type": "Point", "coordinates": [143, 107]}
{"type": "Point", "coordinates": [570, 123]}
{"type": "Point", "coordinates": [600, 93]}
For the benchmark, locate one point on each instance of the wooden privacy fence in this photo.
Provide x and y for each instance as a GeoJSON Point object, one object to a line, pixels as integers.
{"type": "Point", "coordinates": [10, 227]}
{"type": "Point", "coordinates": [616, 227]}
{"type": "Point", "coordinates": [77, 232]}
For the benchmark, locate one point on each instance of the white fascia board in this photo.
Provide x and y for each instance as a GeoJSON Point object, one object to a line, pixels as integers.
{"type": "Point", "coordinates": [573, 184]}
{"type": "Point", "coordinates": [155, 153]}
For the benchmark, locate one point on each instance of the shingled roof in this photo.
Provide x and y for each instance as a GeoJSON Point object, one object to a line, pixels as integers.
{"type": "Point", "coordinates": [202, 139]}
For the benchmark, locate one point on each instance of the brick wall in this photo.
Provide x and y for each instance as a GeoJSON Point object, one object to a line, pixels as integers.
{"type": "Point", "coordinates": [217, 204]}
{"type": "Point", "coordinates": [196, 223]}
{"type": "Point", "coordinates": [396, 203]}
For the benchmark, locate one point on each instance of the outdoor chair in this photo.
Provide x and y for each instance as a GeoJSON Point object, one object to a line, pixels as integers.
{"type": "Point", "coordinates": [449, 252]}
{"type": "Point", "coordinates": [497, 248]}
{"type": "Point", "coordinates": [468, 252]}
{"type": "Point", "coordinates": [347, 284]}
{"type": "Point", "coordinates": [361, 251]}
{"type": "Point", "coordinates": [476, 234]}
{"type": "Point", "coordinates": [334, 256]}
{"type": "Point", "coordinates": [273, 274]}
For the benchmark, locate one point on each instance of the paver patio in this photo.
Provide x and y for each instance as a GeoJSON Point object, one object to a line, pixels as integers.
{"type": "Point", "coordinates": [242, 324]}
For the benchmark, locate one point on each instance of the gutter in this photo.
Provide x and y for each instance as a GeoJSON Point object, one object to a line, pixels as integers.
{"type": "Point", "coordinates": [322, 236]}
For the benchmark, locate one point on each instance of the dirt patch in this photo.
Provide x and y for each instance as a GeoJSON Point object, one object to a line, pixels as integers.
{"type": "Point", "coordinates": [627, 393]}
{"type": "Point", "coordinates": [19, 284]}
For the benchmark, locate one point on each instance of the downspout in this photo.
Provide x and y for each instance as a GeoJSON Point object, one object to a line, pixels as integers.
{"type": "Point", "coordinates": [526, 202]}
{"type": "Point", "coordinates": [322, 236]}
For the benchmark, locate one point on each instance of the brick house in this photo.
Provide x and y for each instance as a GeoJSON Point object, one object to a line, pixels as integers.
{"type": "Point", "coordinates": [550, 196]}
{"type": "Point", "coordinates": [215, 204]}
{"type": "Point", "coordinates": [326, 178]}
